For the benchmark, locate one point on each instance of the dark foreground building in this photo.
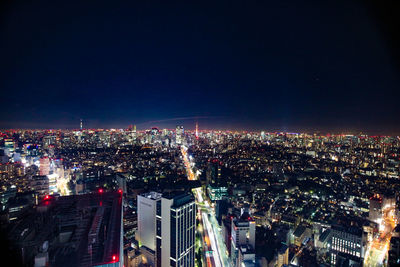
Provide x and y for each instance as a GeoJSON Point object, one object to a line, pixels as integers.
{"type": "Point", "coordinates": [79, 230]}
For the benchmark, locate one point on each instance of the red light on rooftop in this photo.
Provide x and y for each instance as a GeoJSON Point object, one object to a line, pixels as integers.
{"type": "Point", "coordinates": [100, 190]}
{"type": "Point", "coordinates": [114, 258]}
{"type": "Point", "coordinates": [120, 191]}
{"type": "Point", "coordinates": [46, 197]}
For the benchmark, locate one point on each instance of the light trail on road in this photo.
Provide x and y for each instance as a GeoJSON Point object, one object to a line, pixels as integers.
{"type": "Point", "coordinates": [215, 258]}
{"type": "Point", "coordinates": [377, 249]}
{"type": "Point", "coordinates": [213, 241]}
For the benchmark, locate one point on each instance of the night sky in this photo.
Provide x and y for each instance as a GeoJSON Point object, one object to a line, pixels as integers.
{"type": "Point", "coordinates": [277, 66]}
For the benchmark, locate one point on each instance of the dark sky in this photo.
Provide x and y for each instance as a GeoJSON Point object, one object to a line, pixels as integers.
{"type": "Point", "coordinates": [279, 65]}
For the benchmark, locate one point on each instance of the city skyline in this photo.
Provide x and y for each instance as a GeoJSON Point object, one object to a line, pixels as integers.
{"type": "Point", "coordinates": [187, 197]}
{"type": "Point", "coordinates": [192, 126]}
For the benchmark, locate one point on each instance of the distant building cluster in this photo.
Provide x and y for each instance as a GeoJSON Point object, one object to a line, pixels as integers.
{"type": "Point", "coordinates": [178, 197]}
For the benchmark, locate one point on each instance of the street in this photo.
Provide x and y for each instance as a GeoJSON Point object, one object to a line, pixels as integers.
{"type": "Point", "coordinates": [215, 253]}
{"type": "Point", "coordinates": [377, 250]}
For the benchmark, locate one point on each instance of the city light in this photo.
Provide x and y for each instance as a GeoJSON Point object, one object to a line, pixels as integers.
{"type": "Point", "coordinates": [236, 185]}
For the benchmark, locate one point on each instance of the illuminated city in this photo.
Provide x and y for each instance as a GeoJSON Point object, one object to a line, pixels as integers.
{"type": "Point", "coordinates": [297, 198]}
{"type": "Point", "coordinates": [200, 134]}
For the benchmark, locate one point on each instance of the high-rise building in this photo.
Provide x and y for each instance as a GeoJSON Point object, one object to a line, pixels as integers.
{"type": "Point", "coordinates": [166, 228]}
{"type": "Point", "coordinates": [216, 192]}
{"type": "Point", "coordinates": [221, 209]}
{"type": "Point", "coordinates": [348, 244]}
{"type": "Point", "coordinates": [134, 134]}
{"type": "Point", "coordinates": [246, 256]}
{"type": "Point", "coordinates": [214, 171]}
{"type": "Point", "coordinates": [243, 234]}
{"type": "Point", "coordinates": [32, 150]}
{"type": "Point", "coordinates": [81, 125]}
{"type": "Point", "coordinates": [376, 208]}
{"type": "Point", "coordinates": [52, 183]}
{"type": "Point", "coordinates": [44, 167]}
{"type": "Point", "coordinates": [3, 157]}
{"type": "Point", "coordinates": [40, 184]}
{"type": "Point", "coordinates": [148, 236]}
{"type": "Point", "coordinates": [49, 140]}
{"type": "Point", "coordinates": [179, 135]}
{"type": "Point", "coordinates": [178, 213]}
{"type": "Point", "coordinates": [9, 145]}
{"type": "Point", "coordinates": [262, 135]}
{"type": "Point", "coordinates": [283, 255]}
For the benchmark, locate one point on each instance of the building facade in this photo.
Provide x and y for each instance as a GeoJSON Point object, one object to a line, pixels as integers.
{"type": "Point", "coordinates": [179, 135]}
{"type": "Point", "coordinates": [166, 228]}
{"type": "Point", "coordinates": [243, 233]}
{"type": "Point", "coordinates": [347, 244]}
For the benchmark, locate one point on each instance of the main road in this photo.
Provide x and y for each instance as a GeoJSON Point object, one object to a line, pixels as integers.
{"type": "Point", "coordinates": [377, 249]}
{"type": "Point", "coordinates": [214, 248]}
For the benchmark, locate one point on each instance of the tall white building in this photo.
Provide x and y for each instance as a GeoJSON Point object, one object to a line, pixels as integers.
{"type": "Point", "coordinates": [166, 228]}
{"type": "Point", "coordinates": [147, 210]}
{"type": "Point", "coordinates": [243, 234]}
{"type": "Point", "coordinates": [44, 167]}
{"type": "Point", "coordinates": [179, 135]}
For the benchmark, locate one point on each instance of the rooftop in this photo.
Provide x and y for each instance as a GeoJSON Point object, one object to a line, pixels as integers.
{"type": "Point", "coordinates": [152, 195]}
{"type": "Point", "coordinates": [180, 198]}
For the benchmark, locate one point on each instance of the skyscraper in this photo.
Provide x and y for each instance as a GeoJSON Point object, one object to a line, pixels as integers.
{"type": "Point", "coordinates": [178, 214]}
{"type": "Point", "coordinates": [149, 216]}
{"type": "Point", "coordinates": [9, 145]}
{"type": "Point", "coordinates": [243, 234]}
{"type": "Point", "coordinates": [179, 135]}
{"type": "Point", "coordinates": [44, 167]}
{"type": "Point", "coordinates": [166, 228]}
{"type": "Point", "coordinates": [132, 133]}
